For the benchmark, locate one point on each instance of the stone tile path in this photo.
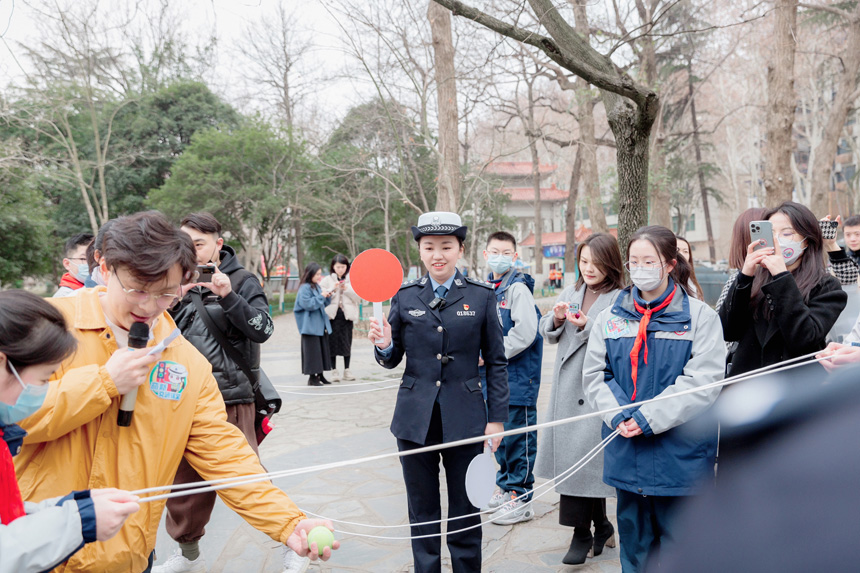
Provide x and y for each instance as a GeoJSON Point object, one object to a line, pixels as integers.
{"type": "Point", "coordinates": [320, 427]}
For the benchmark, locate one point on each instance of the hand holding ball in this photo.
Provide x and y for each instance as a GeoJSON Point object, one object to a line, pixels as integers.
{"type": "Point", "coordinates": [322, 536]}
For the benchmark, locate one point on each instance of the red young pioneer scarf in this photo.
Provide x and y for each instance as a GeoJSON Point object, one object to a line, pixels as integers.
{"type": "Point", "coordinates": [67, 280]}
{"type": "Point", "coordinates": [11, 505]}
{"type": "Point", "coordinates": [642, 335]}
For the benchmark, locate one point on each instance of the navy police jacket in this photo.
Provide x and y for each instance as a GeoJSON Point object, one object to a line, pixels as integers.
{"type": "Point", "coordinates": [442, 346]}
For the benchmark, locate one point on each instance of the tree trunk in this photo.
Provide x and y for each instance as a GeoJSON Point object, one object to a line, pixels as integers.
{"type": "Point", "coordinates": [538, 270]}
{"type": "Point", "coordinates": [632, 139]}
{"type": "Point", "coordinates": [449, 178]}
{"type": "Point", "coordinates": [661, 201]}
{"type": "Point", "coordinates": [590, 178]}
{"type": "Point", "coordinates": [824, 155]}
{"type": "Point", "coordinates": [570, 219]}
{"type": "Point", "coordinates": [781, 102]}
{"type": "Point", "coordinates": [300, 255]}
{"type": "Point", "coordinates": [697, 146]}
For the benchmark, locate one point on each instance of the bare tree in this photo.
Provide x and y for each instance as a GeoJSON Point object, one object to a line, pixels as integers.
{"type": "Point", "coordinates": [847, 93]}
{"type": "Point", "coordinates": [449, 177]}
{"type": "Point", "coordinates": [274, 50]}
{"type": "Point", "coordinates": [780, 103]}
{"type": "Point", "coordinates": [631, 107]}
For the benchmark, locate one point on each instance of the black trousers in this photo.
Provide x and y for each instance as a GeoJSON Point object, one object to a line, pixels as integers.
{"type": "Point", "coordinates": [421, 474]}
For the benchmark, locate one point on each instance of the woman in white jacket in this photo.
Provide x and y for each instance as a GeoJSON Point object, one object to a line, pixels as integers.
{"type": "Point", "coordinates": [38, 537]}
{"type": "Point", "coordinates": [342, 310]}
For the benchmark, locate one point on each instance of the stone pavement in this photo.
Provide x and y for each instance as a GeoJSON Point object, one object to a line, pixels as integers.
{"type": "Point", "coordinates": [315, 426]}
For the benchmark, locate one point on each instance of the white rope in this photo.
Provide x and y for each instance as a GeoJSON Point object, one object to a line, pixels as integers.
{"type": "Point", "coordinates": [552, 482]}
{"type": "Point", "coordinates": [339, 384]}
{"type": "Point", "coordinates": [611, 437]}
{"type": "Point", "coordinates": [315, 392]}
{"type": "Point", "coordinates": [224, 483]}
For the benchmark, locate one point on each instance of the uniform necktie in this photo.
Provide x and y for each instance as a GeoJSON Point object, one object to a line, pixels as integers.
{"type": "Point", "coordinates": [642, 335]}
{"type": "Point", "coordinates": [441, 291]}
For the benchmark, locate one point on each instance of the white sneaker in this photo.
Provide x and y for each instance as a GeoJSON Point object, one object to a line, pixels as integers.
{"type": "Point", "coordinates": [514, 511]}
{"type": "Point", "coordinates": [499, 498]}
{"type": "Point", "coordinates": [334, 376]}
{"type": "Point", "coordinates": [347, 375]}
{"type": "Point", "coordinates": [179, 564]}
{"type": "Point", "coordinates": [293, 563]}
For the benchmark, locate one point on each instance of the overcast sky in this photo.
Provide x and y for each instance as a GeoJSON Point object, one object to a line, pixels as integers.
{"type": "Point", "coordinates": [229, 19]}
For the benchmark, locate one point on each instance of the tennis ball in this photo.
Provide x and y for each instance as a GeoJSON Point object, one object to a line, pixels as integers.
{"type": "Point", "coordinates": [322, 536]}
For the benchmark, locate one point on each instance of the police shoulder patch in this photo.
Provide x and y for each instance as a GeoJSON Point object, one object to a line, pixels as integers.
{"type": "Point", "coordinates": [408, 284]}
{"type": "Point", "coordinates": [479, 282]}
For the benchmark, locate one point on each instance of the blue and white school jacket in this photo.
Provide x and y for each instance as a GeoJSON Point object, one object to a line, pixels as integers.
{"type": "Point", "coordinates": [685, 350]}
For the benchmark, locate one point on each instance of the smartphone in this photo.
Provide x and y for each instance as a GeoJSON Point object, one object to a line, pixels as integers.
{"type": "Point", "coordinates": [761, 231]}
{"type": "Point", "coordinates": [204, 273]}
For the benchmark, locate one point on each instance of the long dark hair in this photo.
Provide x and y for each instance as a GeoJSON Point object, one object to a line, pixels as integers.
{"type": "Point", "coordinates": [691, 278]}
{"type": "Point", "coordinates": [812, 267]}
{"type": "Point", "coordinates": [741, 236]}
{"type": "Point", "coordinates": [339, 258]}
{"type": "Point", "coordinates": [607, 257]}
{"type": "Point", "coordinates": [32, 331]}
{"type": "Point", "coordinates": [308, 276]}
{"type": "Point", "coordinates": [666, 244]}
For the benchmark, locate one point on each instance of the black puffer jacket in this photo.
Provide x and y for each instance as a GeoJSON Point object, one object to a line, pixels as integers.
{"type": "Point", "coordinates": [243, 315]}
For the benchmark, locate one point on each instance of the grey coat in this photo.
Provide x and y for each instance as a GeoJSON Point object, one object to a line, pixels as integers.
{"type": "Point", "coordinates": [562, 446]}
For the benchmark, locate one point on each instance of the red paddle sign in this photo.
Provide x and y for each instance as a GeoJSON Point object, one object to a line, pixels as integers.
{"type": "Point", "coordinates": [376, 275]}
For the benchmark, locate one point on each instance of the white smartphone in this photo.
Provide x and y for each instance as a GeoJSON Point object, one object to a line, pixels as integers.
{"type": "Point", "coordinates": [761, 231]}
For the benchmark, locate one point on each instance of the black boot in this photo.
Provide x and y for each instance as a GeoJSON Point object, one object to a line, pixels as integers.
{"type": "Point", "coordinates": [580, 545]}
{"type": "Point", "coordinates": [313, 380]}
{"type": "Point", "coordinates": [604, 533]}
{"type": "Point", "coordinates": [322, 378]}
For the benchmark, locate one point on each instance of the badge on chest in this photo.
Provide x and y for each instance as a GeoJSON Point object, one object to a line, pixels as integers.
{"type": "Point", "coordinates": [465, 311]}
{"type": "Point", "coordinates": [616, 327]}
{"type": "Point", "coordinates": [168, 379]}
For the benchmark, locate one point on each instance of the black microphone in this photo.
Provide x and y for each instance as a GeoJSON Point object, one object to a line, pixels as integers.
{"type": "Point", "coordinates": [138, 337]}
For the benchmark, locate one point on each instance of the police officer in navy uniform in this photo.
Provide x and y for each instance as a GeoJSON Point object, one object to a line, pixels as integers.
{"type": "Point", "coordinates": [442, 322]}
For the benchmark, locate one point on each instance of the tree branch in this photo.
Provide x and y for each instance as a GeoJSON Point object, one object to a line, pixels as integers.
{"type": "Point", "coordinates": [578, 56]}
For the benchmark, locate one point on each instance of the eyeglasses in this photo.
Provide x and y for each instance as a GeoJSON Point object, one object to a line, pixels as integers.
{"type": "Point", "coordinates": [141, 297]}
{"type": "Point", "coordinates": [650, 265]}
{"type": "Point", "coordinates": [77, 258]}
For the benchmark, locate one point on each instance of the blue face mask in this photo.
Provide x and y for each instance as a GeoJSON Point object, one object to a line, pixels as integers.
{"type": "Point", "coordinates": [98, 277]}
{"type": "Point", "coordinates": [30, 400]}
{"type": "Point", "coordinates": [83, 273]}
{"type": "Point", "coordinates": [500, 263]}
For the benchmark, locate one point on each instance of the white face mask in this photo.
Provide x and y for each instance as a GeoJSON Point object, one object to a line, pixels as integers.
{"type": "Point", "coordinates": [791, 250]}
{"type": "Point", "coordinates": [646, 280]}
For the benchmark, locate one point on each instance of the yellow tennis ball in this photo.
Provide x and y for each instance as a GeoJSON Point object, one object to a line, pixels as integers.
{"type": "Point", "coordinates": [322, 536]}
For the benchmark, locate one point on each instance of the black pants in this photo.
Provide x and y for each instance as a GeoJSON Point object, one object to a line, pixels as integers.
{"type": "Point", "coordinates": [575, 511]}
{"type": "Point", "coordinates": [421, 474]}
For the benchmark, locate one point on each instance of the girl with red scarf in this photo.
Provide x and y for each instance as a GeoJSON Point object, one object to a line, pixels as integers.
{"type": "Point", "coordinates": [656, 340]}
{"type": "Point", "coordinates": [37, 537]}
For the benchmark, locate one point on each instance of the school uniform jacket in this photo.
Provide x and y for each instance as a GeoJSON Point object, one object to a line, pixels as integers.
{"type": "Point", "coordinates": [685, 350]}
{"type": "Point", "coordinates": [464, 327]}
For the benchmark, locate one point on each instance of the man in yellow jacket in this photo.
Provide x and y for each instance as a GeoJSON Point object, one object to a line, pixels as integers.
{"type": "Point", "coordinates": [74, 440]}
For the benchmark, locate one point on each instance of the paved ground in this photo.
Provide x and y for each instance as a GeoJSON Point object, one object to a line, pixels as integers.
{"type": "Point", "coordinates": [316, 426]}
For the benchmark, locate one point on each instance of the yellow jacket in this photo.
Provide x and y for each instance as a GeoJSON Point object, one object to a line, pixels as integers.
{"type": "Point", "coordinates": [74, 442]}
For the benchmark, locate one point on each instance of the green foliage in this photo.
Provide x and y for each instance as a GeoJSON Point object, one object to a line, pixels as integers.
{"type": "Point", "coordinates": [250, 178]}
{"type": "Point", "coordinates": [28, 247]}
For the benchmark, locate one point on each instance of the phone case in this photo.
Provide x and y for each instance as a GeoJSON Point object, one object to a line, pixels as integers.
{"type": "Point", "coordinates": [828, 229]}
{"type": "Point", "coordinates": [761, 230]}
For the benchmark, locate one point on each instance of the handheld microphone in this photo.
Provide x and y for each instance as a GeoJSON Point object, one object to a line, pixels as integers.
{"type": "Point", "coordinates": [138, 337]}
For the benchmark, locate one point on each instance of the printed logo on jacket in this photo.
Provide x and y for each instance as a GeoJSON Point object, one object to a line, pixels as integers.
{"type": "Point", "coordinates": [168, 379]}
